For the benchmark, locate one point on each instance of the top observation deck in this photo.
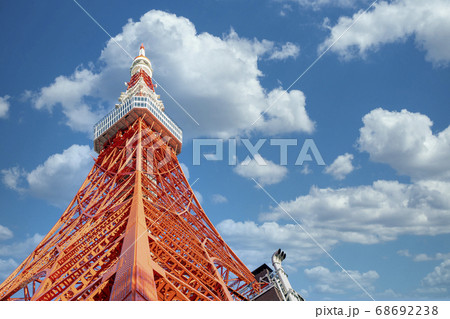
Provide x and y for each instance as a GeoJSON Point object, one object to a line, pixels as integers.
{"type": "Point", "coordinates": [140, 99]}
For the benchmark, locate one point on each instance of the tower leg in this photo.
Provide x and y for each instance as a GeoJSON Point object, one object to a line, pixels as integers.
{"type": "Point", "coordinates": [134, 278]}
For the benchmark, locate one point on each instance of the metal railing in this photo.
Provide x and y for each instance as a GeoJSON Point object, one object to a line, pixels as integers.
{"type": "Point", "coordinates": [137, 101]}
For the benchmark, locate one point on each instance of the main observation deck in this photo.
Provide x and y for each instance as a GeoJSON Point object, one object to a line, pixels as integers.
{"type": "Point", "coordinates": [127, 112]}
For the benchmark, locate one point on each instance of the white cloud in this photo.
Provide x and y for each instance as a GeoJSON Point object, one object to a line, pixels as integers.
{"type": "Point", "coordinates": [4, 106]}
{"type": "Point", "coordinates": [265, 172]}
{"type": "Point", "coordinates": [219, 199]}
{"type": "Point", "coordinates": [366, 214]}
{"type": "Point", "coordinates": [57, 179]}
{"type": "Point", "coordinates": [285, 9]}
{"type": "Point", "coordinates": [12, 178]}
{"type": "Point", "coordinates": [16, 251]}
{"type": "Point", "coordinates": [185, 170]}
{"type": "Point", "coordinates": [437, 282]}
{"type": "Point", "coordinates": [440, 275]}
{"type": "Point", "coordinates": [405, 141]}
{"type": "Point", "coordinates": [318, 4]}
{"type": "Point", "coordinates": [288, 50]}
{"type": "Point", "coordinates": [286, 112]}
{"type": "Point", "coordinates": [5, 233]}
{"type": "Point", "coordinates": [199, 196]}
{"type": "Point", "coordinates": [404, 253]}
{"type": "Point", "coordinates": [338, 282]}
{"type": "Point", "coordinates": [371, 214]}
{"type": "Point", "coordinates": [424, 257]}
{"type": "Point", "coordinates": [21, 249]}
{"type": "Point", "coordinates": [70, 92]}
{"type": "Point", "coordinates": [390, 294]}
{"type": "Point", "coordinates": [305, 170]}
{"type": "Point", "coordinates": [215, 79]}
{"type": "Point", "coordinates": [341, 167]}
{"type": "Point", "coordinates": [255, 243]}
{"type": "Point", "coordinates": [384, 210]}
{"type": "Point", "coordinates": [396, 21]}
{"type": "Point", "coordinates": [7, 266]}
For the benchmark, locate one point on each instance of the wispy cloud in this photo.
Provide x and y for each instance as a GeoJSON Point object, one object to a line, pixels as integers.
{"type": "Point", "coordinates": [4, 106]}
{"type": "Point", "coordinates": [288, 50]}
{"type": "Point", "coordinates": [219, 199]}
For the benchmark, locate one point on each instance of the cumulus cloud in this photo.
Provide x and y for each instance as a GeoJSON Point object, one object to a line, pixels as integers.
{"type": "Point", "coordinates": [378, 212]}
{"type": "Point", "coordinates": [437, 282]}
{"type": "Point", "coordinates": [338, 282]}
{"type": "Point", "coordinates": [405, 141]}
{"type": "Point", "coordinates": [4, 106]}
{"type": "Point", "coordinates": [371, 214]}
{"type": "Point", "coordinates": [440, 275]}
{"type": "Point", "coordinates": [368, 214]}
{"type": "Point", "coordinates": [71, 92]}
{"type": "Point", "coordinates": [286, 112]}
{"type": "Point", "coordinates": [265, 172]}
{"type": "Point", "coordinates": [57, 179]}
{"type": "Point", "coordinates": [396, 21]}
{"type": "Point", "coordinates": [341, 167]}
{"type": "Point", "coordinates": [216, 79]}
{"type": "Point", "coordinates": [255, 243]}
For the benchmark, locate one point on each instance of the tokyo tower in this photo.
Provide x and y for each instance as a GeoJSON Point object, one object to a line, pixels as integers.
{"type": "Point", "coordinates": [135, 229]}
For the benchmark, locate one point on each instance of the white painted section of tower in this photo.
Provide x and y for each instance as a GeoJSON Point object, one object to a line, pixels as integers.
{"type": "Point", "coordinates": [142, 50]}
{"type": "Point", "coordinates": [141, 62]}
{"type": "Point", "coordinates": [139, 96]}
{"type": "Point", "coordinates": [286, 288]}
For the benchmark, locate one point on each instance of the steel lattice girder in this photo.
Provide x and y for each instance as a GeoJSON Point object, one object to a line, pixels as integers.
{"type": "Point", "coordinates": [134, 231]}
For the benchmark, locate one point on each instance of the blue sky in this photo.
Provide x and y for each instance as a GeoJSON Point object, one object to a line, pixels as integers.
{"type": "Point", "coordinates": [375, 105]}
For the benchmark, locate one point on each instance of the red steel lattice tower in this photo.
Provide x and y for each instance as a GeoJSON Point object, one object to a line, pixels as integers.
{"type": "Point", "coordinates": [134, 230]}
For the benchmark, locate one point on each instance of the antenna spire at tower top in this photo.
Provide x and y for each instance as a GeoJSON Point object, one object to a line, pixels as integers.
{"type": "Point", "coordinates": [142, 50]}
